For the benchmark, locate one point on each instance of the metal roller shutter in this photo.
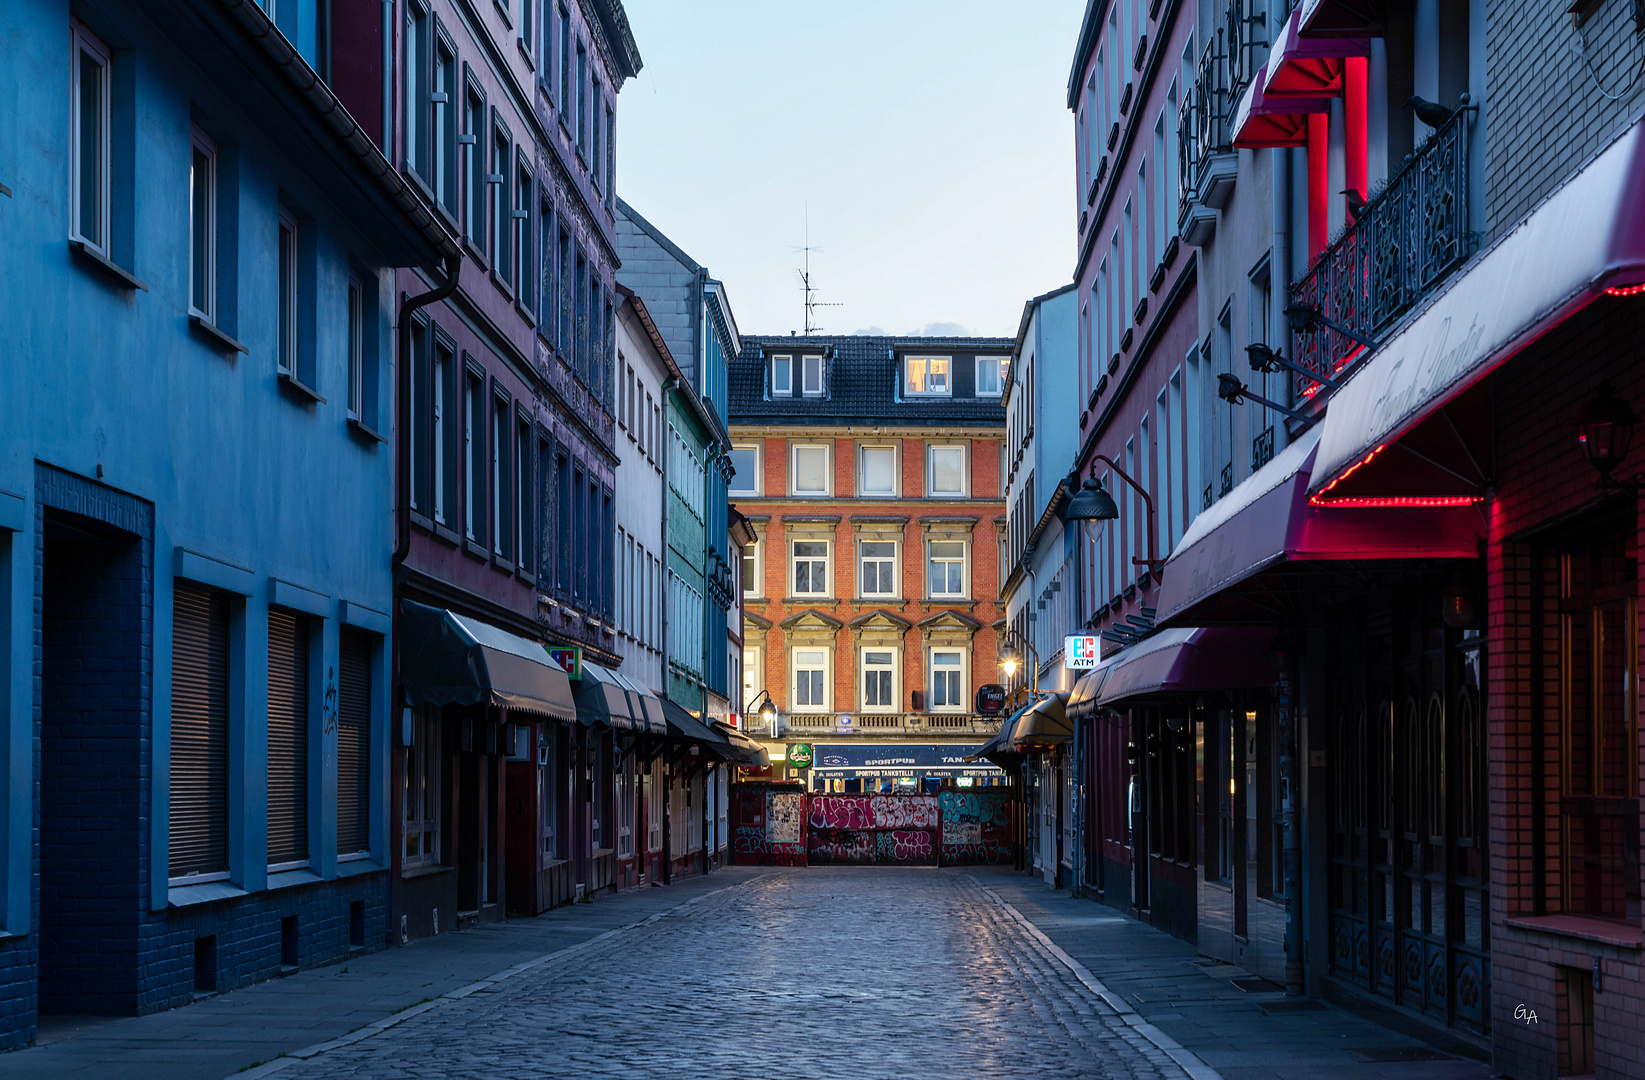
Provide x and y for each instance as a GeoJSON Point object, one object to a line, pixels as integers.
{"type": "Point", "coordinates": [199, 732]}
{"type": "Point", "coordinates": [354, 742]}
{"type": "Point", "coordinates": [287, 737]}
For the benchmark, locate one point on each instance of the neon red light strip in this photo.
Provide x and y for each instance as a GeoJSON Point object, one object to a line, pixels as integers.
{"type": "Point", "coordinates": [1625, 290]}
{"type": "Point", "coordinates": [1356, 466]}
{"type": "Point", "coordinates": [1399, 500]}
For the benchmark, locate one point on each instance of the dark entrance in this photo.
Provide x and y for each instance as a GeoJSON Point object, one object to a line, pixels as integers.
{"type": "Point", "coordinates": [93, 702]}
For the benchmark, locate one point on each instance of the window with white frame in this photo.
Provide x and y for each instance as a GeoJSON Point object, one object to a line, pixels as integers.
{"type": "Point", "coordinates": [753, 681]}
{"type": "Point", "coordinates": [810, 680]}
{"type": "Point", "coordinates": [356, 349]}
{"type": "Point", "coordinates": [753, 581]}
{"type": "Point", "coordinates": [745, 460]}
{"type": "Point", "coordinates": [877, 470]}
{"type": "Point", "coordinates": [947, 559]}
{"type": "Point", "coordinates": [991, 375]}
{"type": "Point", "coordinates": [879, 568]}
{"type": "Point", "coordinates": [202, 222]}
{"type": "Point", "coordinates": [89, 142]}
{"type": "Point", "coordinates": [445, 99]}
{"type": "Point", "coordinates": [782, 376]}
{"type": "Point", "coordinates": [286, 344]}
{"type": "Point", "coordinates": [946, 470]}
{"type": "Point", "coordinates": [879, 679]}
{"type": "Point", "coordinates": [810, 470]}
{"type": "Point", "coordinates": [811, 379]}
{"type": "Point", "coordinates": [947, 679]}
{"type": "Point", "coordinates": [810, 568]}
{"type": "Point", "coordinates": [421, 792]}
{"type": "Point", "coordinates": [927, 376]}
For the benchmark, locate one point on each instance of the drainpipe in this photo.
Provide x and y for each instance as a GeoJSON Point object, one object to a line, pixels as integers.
{"type": "Point", "coordinates": [1292, 864]}
{"type": "Point", "coordinates": [402, 420]}
{"type": "Point", "coordinates": [1279, 268]}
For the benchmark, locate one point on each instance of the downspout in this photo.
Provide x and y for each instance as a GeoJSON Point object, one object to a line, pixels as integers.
{"type": "Point", "coordinates": [1279, 272]}
{"type": "Point", "coordinates": [1291, 858]}
{"type": "Point", "coordinates": [662, 621]}
{"type": "Point", "coordinates": [402, 420]}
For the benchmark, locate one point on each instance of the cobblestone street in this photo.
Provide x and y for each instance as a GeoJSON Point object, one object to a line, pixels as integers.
{"type": "Point", "coordinates": [849, 972]}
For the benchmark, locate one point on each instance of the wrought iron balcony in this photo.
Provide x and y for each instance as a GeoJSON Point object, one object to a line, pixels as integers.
{"type": "Point", "coordinates": [1404, 242]}
{"type": "Point", "coordinates": [1262, 449]}
{"type": "Point", "coordinates": [1245, 35]}
{"type": "Point", "coordinates": [1206, 162]}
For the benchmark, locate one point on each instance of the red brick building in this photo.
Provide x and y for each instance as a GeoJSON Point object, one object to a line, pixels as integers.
{"type": "Point", "coordinates": [869, 469]}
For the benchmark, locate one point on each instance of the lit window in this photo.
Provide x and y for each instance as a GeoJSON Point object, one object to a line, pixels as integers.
{"type": "Point", "coordinates": [926, 375]}
{"type": "Point", "coordinates": [947, 671]}
{"type": "Point", "coordinates": [782, 376]}
{"type": "Point", "coordinates": [811, 470]}
{"type": "Point", "coordinates": [947, 568]}
{"type": "Point", "coordinates": [878, 679]}
{"type": "Point", "coordinates": [877, 474]}
{"type": "Point", "coordinates": [879, 568]}
{"type": "Point", "coordinates": [991, 375]}
{"type": "Point", "coordinates": [811, 568]}
{"type": "Point", "coordinates": [947, 470]}
{"type": "Point", "coordinates": [751, 570]}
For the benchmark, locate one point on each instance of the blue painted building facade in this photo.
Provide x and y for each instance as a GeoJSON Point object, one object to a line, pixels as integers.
{"type": "Point", "coordinates": [195, 500]}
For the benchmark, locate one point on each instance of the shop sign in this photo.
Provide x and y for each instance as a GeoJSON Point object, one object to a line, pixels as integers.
{"type": "Point", "coordinates": [569, 657]}
{"type": "Point", "coordinates": [799, 755]}
{"type": "Point", "coordinates": [1081, 651]}
{"type": "Point", "coordinates": [990, 700]}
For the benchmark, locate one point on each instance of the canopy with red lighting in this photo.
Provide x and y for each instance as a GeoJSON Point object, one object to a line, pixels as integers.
{"type": "Point", "coordinates": [1258, 552]}
{"type": "Point", "coordinates": [1341, 18]}
{"type": "Point", "coordinates": [1265, 122]}
{"type": "Point", "coordinates": [1411, 422]}
{"type": "Point", "coordinates": [1308, 67]}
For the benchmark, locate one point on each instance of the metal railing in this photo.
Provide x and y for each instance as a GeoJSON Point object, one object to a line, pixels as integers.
{"type": "Point", "coordinates": [1262, 449]}
{"type": "Point", "coordinates": [879, 724]}
{"type": "Point", "coordinates": [1403, 243]}
{"type": "Point", "coordinates": [1246, 37]}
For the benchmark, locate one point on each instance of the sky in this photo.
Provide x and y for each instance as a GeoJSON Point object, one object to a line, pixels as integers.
{"type": "Point", "coordinates": [925, 145]}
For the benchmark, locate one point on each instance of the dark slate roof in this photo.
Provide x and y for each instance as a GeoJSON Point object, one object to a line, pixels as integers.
{"type": "Point", "coordinates": [860, 381]}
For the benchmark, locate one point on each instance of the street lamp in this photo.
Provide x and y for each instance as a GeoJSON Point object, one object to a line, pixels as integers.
{"type": "Point", "coordinates": [1234, 392]}
{"type": "Point", "coordinates": [1605, 428]}
{"type": "Point", "coordinates": [1269, 361]}
{"type": "Point", "coordinates": [1093, 504]}
{"type": "Point", "coordinates": [1306, 318]}
{"type": "Point", "coordinates": [767, 712]}
{"type": "Point", "coordinates": [1010, 658]}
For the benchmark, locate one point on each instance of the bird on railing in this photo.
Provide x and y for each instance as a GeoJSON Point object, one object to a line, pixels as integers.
{"type": "Point", "coordinates": [1356, 205]}
{"type": "Point", "coordinates": [1429, 112]}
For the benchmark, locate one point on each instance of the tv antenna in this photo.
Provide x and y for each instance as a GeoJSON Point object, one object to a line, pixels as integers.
{"type": "Point", "coordinates": [810, 290]}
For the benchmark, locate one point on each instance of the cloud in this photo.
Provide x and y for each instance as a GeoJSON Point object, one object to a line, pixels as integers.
{"type": "Point", "coordinates": [941, 329]}
{"type": "Point", "coordinates": [870, 331]}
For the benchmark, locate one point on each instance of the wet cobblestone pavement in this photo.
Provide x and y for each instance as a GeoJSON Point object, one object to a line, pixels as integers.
{"type": "Point", "coordinates": [864, 973]}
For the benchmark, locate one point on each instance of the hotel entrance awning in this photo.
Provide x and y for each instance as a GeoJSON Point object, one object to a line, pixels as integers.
{"type": "Point", "coordinates": [450, 659]}
{"type": "Point", "coordinates": [1243, 560]}
{"type": "Point", "coordinates": [1583, 242]}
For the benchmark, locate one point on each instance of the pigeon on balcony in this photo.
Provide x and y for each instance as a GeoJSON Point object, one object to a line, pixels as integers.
{"type": "Point", "coordinates": [1356, 205]}
{"type": "Point", "coordinates": [1429, 112]}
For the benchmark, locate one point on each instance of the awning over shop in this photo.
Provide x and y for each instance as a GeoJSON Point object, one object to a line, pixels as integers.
{"type": "Point", "coordinates": [1042, 726]}
{"type": "Point", "coordinates": [450, 659]}
{"type": "Point", "coordinates": [1341, 18]}
{"type": "Point", "coordinates": [998, 749]}
{"type": "Point", "coordinates": [1585, 240]}
{"type": "Point", "coordinates": [609, 698]}
{"type": "Point", "coordinates": [743, 750]}
{"type": "Point", "coordinates": [1262, 121]}
{"type": "Point", "coordinates": [1308, 67]}
{"type": "Point", "coordinates": [683, 727]}
{"type": "Point", "coordinates": [1240, 560]}
{"type": "Point", "coordinates": [1189, 660]}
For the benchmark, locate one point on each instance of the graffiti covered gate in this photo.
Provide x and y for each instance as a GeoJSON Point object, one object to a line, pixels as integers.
{"type": "Point", "coordinates": [779, 825]}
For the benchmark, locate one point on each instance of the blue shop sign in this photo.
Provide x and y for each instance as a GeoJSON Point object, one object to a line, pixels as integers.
{"type": "Point", "coordinates": [897, 757]}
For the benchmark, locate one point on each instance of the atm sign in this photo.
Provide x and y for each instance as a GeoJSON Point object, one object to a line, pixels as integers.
{"type": "Point", "coordinates": [1082, 651]}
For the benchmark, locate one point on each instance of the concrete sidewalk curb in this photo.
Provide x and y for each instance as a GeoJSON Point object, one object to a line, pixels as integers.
{"type": "Point", "coordinates": [1187, 1059]}
{"type": "Point", "coordinates": [359, 1034]}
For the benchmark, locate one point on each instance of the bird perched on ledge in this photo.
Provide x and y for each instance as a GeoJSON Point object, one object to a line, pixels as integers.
{"type": "Point", "coordinates": [1356, 205]}
{"type": "Point", "coordinates": [1429, 112]}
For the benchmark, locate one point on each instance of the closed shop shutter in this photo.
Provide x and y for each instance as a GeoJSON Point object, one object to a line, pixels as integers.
{"type": "Point", "coordinates": [287, 737]}
{"type": "Point", "coordinates": [199, 732]}
{"type": "Point", "coordinates": [354, 742]}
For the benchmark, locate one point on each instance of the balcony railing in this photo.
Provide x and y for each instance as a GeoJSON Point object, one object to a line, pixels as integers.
{"type": "Point", "coordinates": [1404, 242]}
{"type": "Point", "coordinates": [1262, 449]}
{"type": "Point", "coordinates": [879, 725]}
{"type": "Point", "coordinates": [1246, 38]}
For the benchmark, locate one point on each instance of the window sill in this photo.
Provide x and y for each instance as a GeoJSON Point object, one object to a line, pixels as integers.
{"type": "Point", "coordinates": [477, 551]}
{"type": "Point", "coordinates": [300, 389]}
{"type": "Point", "coordinates": [285, 879]}
{"type": "Point", "coordinates": [501, 563]}
{"type": "Point", "coordinates": [526, 576]}
{"type": "Point", "coordinates": [445, 535]}
{"type": "Point", "coordinates": [525, 53]}
{"type": "Point", "coordinates": [209, 330]}
{"type": "Point", "coordinates": [355, 865]}
{"type": "Point", "coordinates": [204, 893]}
{"type": "Point", "coordinates": [118, 273]}
{"type": "Point", "coordinates": [425, 870]}
{"type": "Point", "coordinates": [365, 431]}
{"type": "Point", "coordinates": [1620, 935]}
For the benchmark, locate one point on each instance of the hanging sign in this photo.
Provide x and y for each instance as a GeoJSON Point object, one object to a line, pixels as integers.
{"type": "Point", "coordinates": [569, 657]}
{"type": "Point", "coordinates": [990, 700]}
{"type": "Point", "coordinates": [1081, 651]}
{"type": "Point", "coordinates": [799, 755]}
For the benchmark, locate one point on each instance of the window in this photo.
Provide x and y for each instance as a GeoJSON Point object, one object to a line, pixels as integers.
{"type": "Point", "coordinates": [879, 568]}
{"type": "Point", "coordinates": [202, 220]}
{"type": "Point", "coordinates": [753, 682]}
{"type": "Point", "coordinates": [288, 737]}
{"type": "Point", "coordinates": [502, 222]}
{"type": "Point", "coordinates": [199, 735]}
{"type": "Point", "coordinates": [947, 677]}
{"type": "Point", "coordinates": [810, 680]}
{"type": "Point", "coordinates": [596, 113]}
{"type": "Point", "coordinates": [525, 533]}
{"type": "Point", "coordinates": [289, 360]}
{"type": "Point", "coordinates": [420, 797]}
{"type": "Point", "coordinates": [745, 460]}
{"type": "Point", "coordinates": [418, 68]}
{"type": "Point", "coordinates": [581, 90]}
{"type": "Point", "coordinates": [811, 381]}
{"type": "Point", "coordinates": [991, 375]}
{"type": "Point", "coordinates": [474, 138]}
{"type": "Point", "coordinates": [474, 455]}
{"type": "Point", "coordinates": [926, 376]}
{"type": "Point", "coordinates": [877, 470]}
{"type": "Point", "coordinates": [579, 307]}
{"type": "Point", "coordinates": [947, 568]}
{"type": "Point", "coordinates": [354, 648]}
{"type": "Point", "coordinates": [752, 582]}
{"type": "Point", "coordinates": [562, 518]}
{"type": "Point", "coordinates": [782, 376]}
{"type": "Point", "coordinates": [610, 154]}
{"type": "Point", "coordinates": [356, 345]}
{"type": "Point", "coordinates": [810, 470]}
{"type": "Point", "coordinates": [947, 470]}
{"type": "Point", "coordinates": [444, 434]}
{"type": "Point", "coordinates": [810, 568]}
{"type": "Point", "coordinates": [564, 340]}
{"type": "Point", "coordinates": [525, 249]}
{"type": "Point", "coordinates": [89, 142]}
{"type": "Point", "coordinates": [544, 304]}
{"type": "Point", "coordinates": [565, 62]}
{"type": "Point", "coordinates": [445, 124]}
{"type": "Point", "coordinates": [879, 672]}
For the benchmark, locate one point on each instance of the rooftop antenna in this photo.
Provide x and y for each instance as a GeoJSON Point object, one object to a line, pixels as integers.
{"type": "Point", "coordinates": [810, 290]}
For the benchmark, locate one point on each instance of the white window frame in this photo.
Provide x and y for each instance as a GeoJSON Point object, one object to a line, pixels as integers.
{"type": "Point", "coordinates": [754, 587]}
{"type": "Point", "coordinates": [753, 681]}
{"type": "Point", "coordinates": [289, 241]}
{"type": "Point", "coordinates": [200, 142]}
{"type": "Point", "coordinates": [794, 566]}
{"type": "Point", "coordinates": [83, 41]}
{"type": "Point", "coordinates": [895, 566]}
{"type": "Point", "coordinates": [931, 451]}
{"type": "Point", "coordinates": [965, 569]}
{"type": "Point", "coordinates": [754, 481]}
{"type": "Point", "coordinates": [784, 364]}
{"type": "Point", "coordinates": [421, 790]}
{"type": "Point", "coordinates": [999, 365]}
{"type": "Point", "coordinates": [862, 470]}
{"type": "Point", "coordinates": [925, 362]}
{"type": "Point", "coordinates": [895, 668]}
{"type": "Point", "coordinates": [931, 666]}
{"type": "Point", "coordinates": [794, 670]}
{"type": "Point", "coordinates": [794, 469]}
{"type": "Point", "coordinates": [356, 331]}
{"type": "Point", "coordinates": [807, 369]}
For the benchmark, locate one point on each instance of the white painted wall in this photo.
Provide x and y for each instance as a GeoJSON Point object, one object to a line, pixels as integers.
{"type": "Point", "coordinates": [639, 511]}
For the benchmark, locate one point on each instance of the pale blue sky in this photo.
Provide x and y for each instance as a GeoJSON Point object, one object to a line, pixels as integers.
{"type": "Point", "coordinates": [930, 138]}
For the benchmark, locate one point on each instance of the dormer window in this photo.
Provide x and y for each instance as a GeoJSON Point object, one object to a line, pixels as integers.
{"type": "Point", "coordinates": [811, 379]}
{"type": "Point", "coordinates": [926, 376]}
{"type": "Point", "coordinates": [782, 376]}
{"type": "Point", "coordinates": [991, 375]}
